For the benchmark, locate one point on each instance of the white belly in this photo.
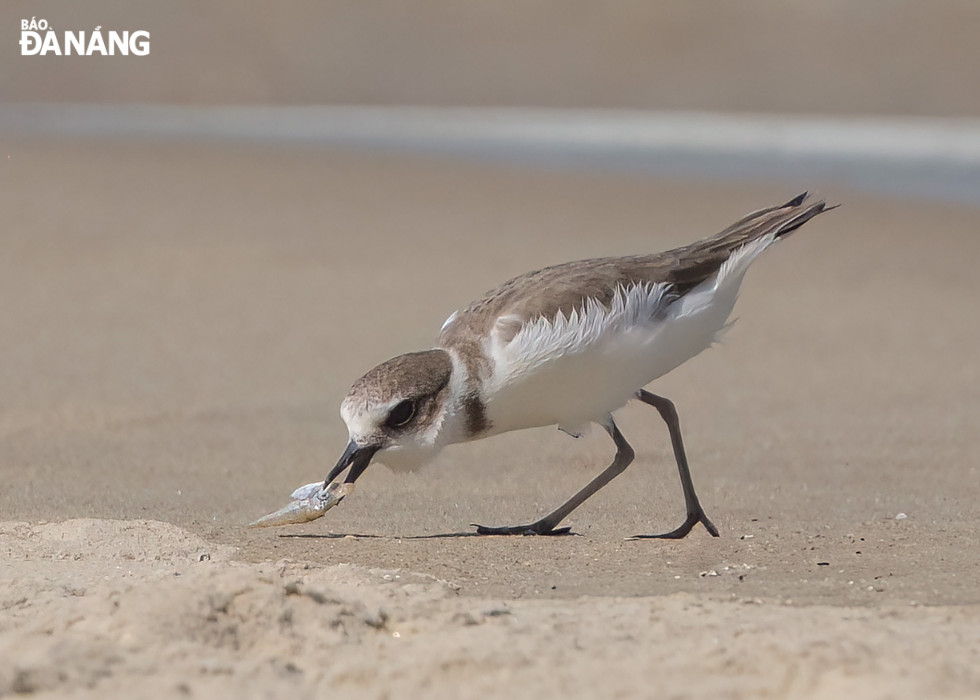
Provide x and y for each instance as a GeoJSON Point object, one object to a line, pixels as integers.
{"type": "Point", "coordinates": [577, 370]}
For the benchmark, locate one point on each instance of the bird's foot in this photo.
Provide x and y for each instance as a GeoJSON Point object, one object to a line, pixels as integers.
{"type": "Point", "coordinates": [537, 528]}
{"type": "Point", "coordinates": [692, 519]}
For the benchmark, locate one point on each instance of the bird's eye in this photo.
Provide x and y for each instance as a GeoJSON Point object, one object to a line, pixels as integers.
{"type": "Point", "coordinates": [401, 414]}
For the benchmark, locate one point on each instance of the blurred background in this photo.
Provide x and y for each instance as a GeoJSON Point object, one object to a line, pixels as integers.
{"type": "Point", "coordinates": [873, 57]}
{"type": "Point", "coordinates": [878, 94]}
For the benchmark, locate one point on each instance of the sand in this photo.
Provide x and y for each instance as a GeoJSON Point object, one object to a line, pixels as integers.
{"type": "Point", "coordinates": [180, 323]}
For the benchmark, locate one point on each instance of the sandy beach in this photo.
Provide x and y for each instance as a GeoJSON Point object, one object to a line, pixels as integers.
{"type": "Point", "coordinates": [181, 322]}
{"type": "Point", "coordinates": [183, 309]}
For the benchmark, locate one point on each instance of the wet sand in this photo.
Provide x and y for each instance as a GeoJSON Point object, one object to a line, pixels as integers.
{"type": "Point", "coordinates": [181, 322]}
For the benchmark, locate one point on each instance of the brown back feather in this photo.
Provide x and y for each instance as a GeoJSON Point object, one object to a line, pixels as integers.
{"type": "Point", "coordinates": [564, 288]}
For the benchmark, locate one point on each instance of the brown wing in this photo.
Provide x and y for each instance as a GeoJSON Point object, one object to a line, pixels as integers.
{"type": "Point", "coordinates": [563, 288]}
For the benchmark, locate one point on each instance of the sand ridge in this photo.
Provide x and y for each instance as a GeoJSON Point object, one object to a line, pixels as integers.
{"type": "Point", "coordinates": [93, 607]}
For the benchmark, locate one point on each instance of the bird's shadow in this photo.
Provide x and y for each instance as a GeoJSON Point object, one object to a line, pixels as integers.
{"type": "Point", "coordinates": [359, 536]}
{"type": "Point", "coordinates": [328, 536]}
{"type": "Point", "coordinates": [443, 535]}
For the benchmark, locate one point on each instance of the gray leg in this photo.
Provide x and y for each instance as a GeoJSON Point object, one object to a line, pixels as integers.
{"type": "Point", "coordinates": [546, 526]}
{"type": "Point", "coordinates": [695, 513]}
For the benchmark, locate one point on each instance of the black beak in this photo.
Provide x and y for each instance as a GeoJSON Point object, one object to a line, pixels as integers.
{"type": "Point", "coordinates": [355, 457]}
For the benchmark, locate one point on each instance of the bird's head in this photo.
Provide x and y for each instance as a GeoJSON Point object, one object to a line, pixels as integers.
{"type": "Point", "coordinates": [396, 412]}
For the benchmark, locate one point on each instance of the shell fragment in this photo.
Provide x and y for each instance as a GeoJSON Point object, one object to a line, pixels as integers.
{"type": "Point", "coordinates": [309, 503]}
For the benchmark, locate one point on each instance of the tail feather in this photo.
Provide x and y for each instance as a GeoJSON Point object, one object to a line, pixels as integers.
{"type": "Point", "coordinates": [694, 263]}
{"type": "Point", "coordinates": [781, 220]}
{"type": "Point", "coordinates": [794, 202]}
{"type": "Point", "coordinates": [811, 210]}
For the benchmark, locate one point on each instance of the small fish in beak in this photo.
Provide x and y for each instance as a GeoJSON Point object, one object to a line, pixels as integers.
{"type": "Point", "coordinates": [309, 503]}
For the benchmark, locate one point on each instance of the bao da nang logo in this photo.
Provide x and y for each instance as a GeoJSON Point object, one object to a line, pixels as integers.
{"type": "Point", "coordinates": [37, 38]}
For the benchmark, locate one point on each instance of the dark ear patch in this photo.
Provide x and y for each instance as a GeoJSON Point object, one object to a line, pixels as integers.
{"type": "Point", "coordinates": [401, 414]}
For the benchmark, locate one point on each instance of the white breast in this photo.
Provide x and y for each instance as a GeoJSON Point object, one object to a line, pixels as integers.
{"type": "Point", "coordinates": [577, 369]}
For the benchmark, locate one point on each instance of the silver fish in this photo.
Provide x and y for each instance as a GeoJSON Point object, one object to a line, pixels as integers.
{"type": "Point", "coordinates": [309, 503]}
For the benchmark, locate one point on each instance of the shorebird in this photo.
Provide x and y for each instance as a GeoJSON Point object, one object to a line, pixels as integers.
{"type": "Point", "coordinates": [566, 345]}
